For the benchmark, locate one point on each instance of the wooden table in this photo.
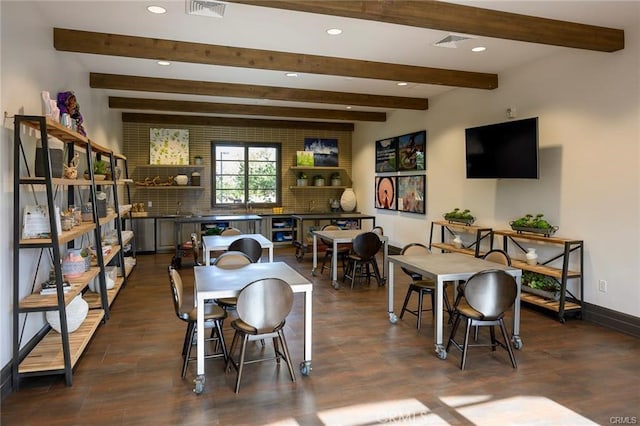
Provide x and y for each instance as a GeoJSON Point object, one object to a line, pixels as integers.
{"type": "Point", "coordinates": [443, 267]}
{"type": "Point", "coordinates": [344, 236]}
{"type": "Point", "coordinates": [219, 242]}
{"type": "Point", "coordinates": [212, 282]}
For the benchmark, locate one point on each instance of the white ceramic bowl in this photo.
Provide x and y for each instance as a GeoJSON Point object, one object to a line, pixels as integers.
{"type": "Point", "coordinates": [77, 311]}
{"type": "Point", "coordinates": [182, 180]}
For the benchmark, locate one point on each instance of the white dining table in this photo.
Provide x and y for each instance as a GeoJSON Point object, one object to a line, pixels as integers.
{"type": "Point", "coordinates": [443, 267]}
{"type": "Point", "coordinates": [222, 242]}
{"type": "Point", "coordinates": [212, 282]}
{"type": "Point", "coordinates": [340, 237]}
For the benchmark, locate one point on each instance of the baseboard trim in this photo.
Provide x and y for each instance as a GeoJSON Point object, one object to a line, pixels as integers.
{"type": "Point", "coordinates": [6, 384]}
{"type": "Point", "coordinates": [614, 320]}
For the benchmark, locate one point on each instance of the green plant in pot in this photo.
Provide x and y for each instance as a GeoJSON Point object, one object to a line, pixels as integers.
{"type": "Point", "coordinates": [531, 223]}
{"type": "Point", "coordinates": [462, 216]}
{"type": "Point", "coordinates": [100, 168]}
{"type": "Point", "coordinates": [302, 180]}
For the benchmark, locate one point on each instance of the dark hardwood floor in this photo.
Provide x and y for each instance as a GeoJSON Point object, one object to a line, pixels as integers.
{"type": "Point", "coordinates": [365, 370]}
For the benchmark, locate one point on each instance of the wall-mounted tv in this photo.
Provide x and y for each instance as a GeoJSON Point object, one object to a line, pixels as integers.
{"type": "Point", "coordinates": [506, 150]}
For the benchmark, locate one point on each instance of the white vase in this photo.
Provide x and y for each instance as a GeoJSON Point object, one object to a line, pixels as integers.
{"type": "Point", "coordinates": [532, 257]}
{"type": "Point", "coordinates": [77, 311]}
{"type": "Point", "coordinates": [457, 242]}
{"type": "Point", "coordinates": [348, 200]}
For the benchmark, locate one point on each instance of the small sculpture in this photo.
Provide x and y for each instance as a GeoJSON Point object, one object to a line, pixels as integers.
{"type": "Point", "coordinates": [71, 171]}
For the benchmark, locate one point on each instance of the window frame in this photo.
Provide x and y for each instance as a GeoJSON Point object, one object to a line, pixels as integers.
{"type": "Point", "coordinates": [246, 146]}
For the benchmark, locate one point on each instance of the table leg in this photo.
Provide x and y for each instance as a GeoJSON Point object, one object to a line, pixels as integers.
{"type": "Point", "coordinates": [200, 378]}
{"type": "Point", "coordinates": [315, 255]}
{"type": "Point", "coordinates": [305, 366]}
{"type": "Point", "coordinates": [439, 347]}
{"type": "Point", "coordinates": [334, 265]}
{"type": "Point", "coordinates": [271, 254]}
{"type": "Point", "coordinates": [517, 341]}
{"type": "Point", "coordinates": [393, 318]}
{"type": "Point", "coordinates": [207, 255]}
{"type": "Point", "coordinates": [385, 262]}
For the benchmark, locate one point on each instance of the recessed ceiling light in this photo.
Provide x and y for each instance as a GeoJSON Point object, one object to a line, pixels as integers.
{"type": "Point", "coordinates": [334, 31]}
{"type": "Point", "coordinates": [402, 83]}
{"type": "Point", "coordinates": [479, 49]}
{"type": "Point", "coordinates": [291, 74]}
{"type": "Point", "coordinates": [156, 9]}
{"type": "Point", "coordinates": [164, 63]}
{"type": "Point", "coordinates": [349, 106]}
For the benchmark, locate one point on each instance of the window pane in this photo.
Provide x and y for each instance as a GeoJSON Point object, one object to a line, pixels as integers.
{"type": "Point", "coordinates": [262, 182]}
{"type": "Point", "coordinates": [229, 196]}
{"type": "Point", "coordinates": [262, 154]}
{"type": "Point", "coordinates": [262, 196]}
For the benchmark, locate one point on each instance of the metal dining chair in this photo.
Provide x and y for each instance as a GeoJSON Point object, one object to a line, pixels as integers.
{"type": "Point", "coordinates": [421, 286]}
{"type": "Point", "coordinates": [343, 249]}
{"type": "Point", "coordinates": [230, 231]}
{"type": "Point", "coordinates": [365, 248]}
{"type": "Point", "coordinates": [230, 260]}
{"type": "Point", "coordinates": [262, 309]}
{"type": "Point", "coordinates": [487, 296]}
{"type": "Point", "coordinates": [248, 246]}
{"type": "Point", "coordinates": [214, 317]}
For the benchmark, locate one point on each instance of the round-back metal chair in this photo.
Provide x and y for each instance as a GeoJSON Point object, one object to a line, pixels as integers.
{"type": "Point", "coordinates": [488, 295]}
{"type": "Point", "coordinates": [343, 249]}
{"type": "Point", "coordinates": [363, 255]}
{"type": "Point", "coordinates": [248, 246]}
{"type": "Point", "coordinates": [214, 317]}
{"type": "Point", "coordinates": [421, 285]}
{"type": "Point", "coordinates": [230, 231]}
{"type": "Point", "coordinates": [262, 309]}
{"type": "Point", "coordinates": [230, 260]}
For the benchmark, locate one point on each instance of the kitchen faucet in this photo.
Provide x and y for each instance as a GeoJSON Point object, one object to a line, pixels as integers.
{"type": "Point", "coordinates": [312, 204]}
{"type": "Point", "coordinates": [178, 207]}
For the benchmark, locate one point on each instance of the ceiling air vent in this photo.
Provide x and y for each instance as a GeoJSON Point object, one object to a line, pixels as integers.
{"type": "Point", "coordinates": [452, 40]}
{"type": "Point", "coordinates": [214, 9]}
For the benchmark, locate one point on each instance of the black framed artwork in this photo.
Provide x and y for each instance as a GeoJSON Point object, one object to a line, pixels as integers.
{"type": "Point", "coordinates": [386, 155]}
{"type": "Point", "coordinates": [411, 194]}
{"type": "Point", "coordinates": [412, 151]}
{"type": "Point", "coordinates": [385, 192]}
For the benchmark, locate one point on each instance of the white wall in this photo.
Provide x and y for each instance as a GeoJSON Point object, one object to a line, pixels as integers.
{"type": "Point", "coordinates": [29, 65]}
{"type": "Point", "coordinates": [588, 106]}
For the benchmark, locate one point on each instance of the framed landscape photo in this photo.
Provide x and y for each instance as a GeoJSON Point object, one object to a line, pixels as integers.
{"type": "Point", "coordinates": [325, 151]}
{"type": "Point", "coordinates": [385, 192]}
{"type": "Point", "coordinates": [412, 151]}
{"type": "Point", "coordinates": [386, 155]}
{"type": "Point", "coordinates": [411, 194]}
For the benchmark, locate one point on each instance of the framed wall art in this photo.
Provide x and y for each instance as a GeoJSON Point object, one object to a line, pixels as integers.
{"type": "Point", "coordinates": [325, 151]}
{"type": "Point", "coordinates": [412, 151]}
{"type": "Point", "coordinates": [168, 146]}
{"type": "Point", "coordinates": [385, 192]}
{"type": "Point", "coordinates": [386, 155]}
{"type": "Point", "coordinates": [411, 194]}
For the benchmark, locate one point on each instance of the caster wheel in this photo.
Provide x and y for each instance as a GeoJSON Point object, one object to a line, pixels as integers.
{"type": "Point", "coordinates": [335, 285]}
{"type": "Point", "coordinates": [517, 342]}
{"type": "Point", "coordinates": [305, 368]}
{"type": "Point", "coordinates": [199, 385]}
{"type": "Point", "coordinates": [393, 318]}
{"type": "Point", "coordinates": [314, 272]}
{"type": "Point", "coordinates": [441, 353]}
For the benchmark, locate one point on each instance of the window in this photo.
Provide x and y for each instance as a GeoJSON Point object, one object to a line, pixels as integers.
{"type": "Point", "coordinates": [245, 173]}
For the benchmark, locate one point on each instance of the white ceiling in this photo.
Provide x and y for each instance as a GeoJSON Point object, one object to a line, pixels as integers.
{"type": "Point", "coordinates": [289, 31]}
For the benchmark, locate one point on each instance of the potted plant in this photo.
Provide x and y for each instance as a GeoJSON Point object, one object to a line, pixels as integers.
{"type": "Point", "coordinates": [100, 169]}
{"type": "Point", "coordinates": [541, 285]}
{"type": "Point", "coordinates": [336, 180]}
{"type": "Point", "coordinates": [535, 224]}
{"type": "Point", "coordinates": [318, 180]}
{"type": "Point", "coordinates": [198, 160]}
{"type": "Point", "coordinates": [460, 216]}
{"type": "Point", "coordinates": [303, 179]}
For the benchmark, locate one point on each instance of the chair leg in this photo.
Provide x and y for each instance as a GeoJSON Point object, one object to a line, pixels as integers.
{"type": "Point", "coordinates": [406, 300]}
{"type": "Point", "coordinates": [191, 331]}
{"type": "Point", "coordinates": [230, 362]}
{"type": "Point", "coordinates": [376, 271]}
{"type": "Point", "coordinates": [454, 330]}
{"type": "Point", "coordinates": [465, 347]}
{"type": "Point", "coordinates": [287, 357]}
{"type": "Point", "coordinates": [243, 350]}
{"type": "Point", "coordinates": [492, 331]}
{"type": "Point", "coordinates": [223, 345]}
{"type": "Point", "coordinates": [507, 343]}
{"type": "Point", "coordinates": [327, 255]}
{"type": "Point", "coordinates": [420, 296]}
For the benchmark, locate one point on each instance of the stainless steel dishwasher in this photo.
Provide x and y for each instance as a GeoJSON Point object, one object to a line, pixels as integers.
{"type": "Point", "coordinates": [144, 230]}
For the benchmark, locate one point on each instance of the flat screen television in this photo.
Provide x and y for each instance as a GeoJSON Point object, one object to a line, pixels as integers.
{"type": "Point", "coordinates": [506, 150]}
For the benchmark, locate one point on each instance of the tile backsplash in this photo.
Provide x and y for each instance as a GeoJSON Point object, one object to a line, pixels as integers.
{"type": "Point", "coordinates": [136, 149]}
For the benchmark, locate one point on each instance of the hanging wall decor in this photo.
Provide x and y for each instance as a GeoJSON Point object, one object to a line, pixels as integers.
{"type": "Point", "coordinates": [411, 194]}
{"type": "Point", "coordinates": [386, 155]}
{"type": "Point", "coordinates": [169, 146]}
{"type": "Point", "coordinates": [385, 192]}
{"type": "Point", "coordinates": [411, 151]}
{"type": "Point", "coordinates": [325, 151]}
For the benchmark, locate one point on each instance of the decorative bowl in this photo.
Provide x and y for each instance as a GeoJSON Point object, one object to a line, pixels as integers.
{"type": "Point", "coordinates": [77, 311]}
{"type": "Point", "coordinates": [182, 180]}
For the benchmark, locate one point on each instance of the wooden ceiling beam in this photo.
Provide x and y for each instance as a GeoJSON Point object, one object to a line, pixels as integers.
{"type": "Point", "coordinates": [241, 109]}
{"type": "Point", "coordinates": [457, 18]}
{"type": "Point", "coordinates": [199, 120]}
{"type": "Point", "coordinates": [150, 48]}
{"type": "Point", "coordinates": [207, 88]}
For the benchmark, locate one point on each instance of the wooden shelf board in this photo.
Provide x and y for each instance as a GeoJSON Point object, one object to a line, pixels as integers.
{"type": "Point", "coordinates": [552, 305]}
{"type": "Point", "coordinates": [94, 300]}
{"type": "Point", "coordinates": [460, 226]}
{"type": "Point", "coordinates": [319, 168]}
{"type": "Point", "coordinates": [48, 354]}
{"type": "Point", "coordinates": [37, 300]}
{"type": "Point", "coordinates": [107, 257]}
{"type": "Point", "coordinates": [59, 131]}
{"type": "Point", "coordinates": [451, 248]}
{"type": "Point", "coordinates": [171, 166]}
{"type": "Point", "coordinates": [534, 237]}
{"type": "Point", "coordinates": [63, 237]}
{"type": "Point", "coordinates": [154, 187]}
{"type": "Point", "coordinates": [544, 270]}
